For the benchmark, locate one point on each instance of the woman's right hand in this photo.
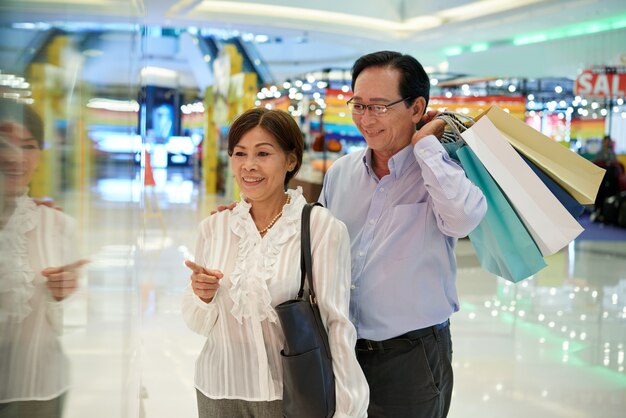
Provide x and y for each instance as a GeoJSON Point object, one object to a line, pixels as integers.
{"type": "Point", "coordinates": [204, 282]}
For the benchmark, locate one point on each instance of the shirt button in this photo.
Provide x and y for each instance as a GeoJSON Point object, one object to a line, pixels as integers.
{"type": "Point", "coordinates": [372, 221]}
{"type": "Point", "coordinates": [353, 287]}
{"type": "Point", "coordinates": [382, 189]}
{"type": "Point", "coordinates": [361, 253]}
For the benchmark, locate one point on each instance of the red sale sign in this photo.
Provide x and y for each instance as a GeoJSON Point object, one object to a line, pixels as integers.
{"type": "Point", "coordinates": [601, 82]}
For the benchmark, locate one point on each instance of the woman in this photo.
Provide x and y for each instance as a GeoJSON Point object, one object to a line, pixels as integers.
{"type": "Point", "coordinates": [33, 368]}
{"type": "Point", "coordinates": [248, 261]}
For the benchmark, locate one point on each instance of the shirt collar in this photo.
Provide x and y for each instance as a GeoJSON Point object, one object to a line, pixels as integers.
{"type": "Point", "coordinates": [367, 161]}
{"type": "Point", "coordinates": [398, 164]}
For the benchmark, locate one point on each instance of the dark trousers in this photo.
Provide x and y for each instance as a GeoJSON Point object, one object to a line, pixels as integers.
{"type": "Point", "coordinates": [410, 382]}
{"type": "Point", "coordinates": [237, 408]}
{"type": "Point", "coordinates": [52, 408]}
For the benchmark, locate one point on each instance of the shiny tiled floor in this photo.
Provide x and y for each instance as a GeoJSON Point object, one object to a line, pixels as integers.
{"type": "Point", "coordinates": [552, 346]}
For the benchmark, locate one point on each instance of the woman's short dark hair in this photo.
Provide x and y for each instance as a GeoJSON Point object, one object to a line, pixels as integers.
{"type": "Point", "coordinates": [414, 81]}
{"type": "Point", "coordinates": [23, 114]}
{"type": "Point", "coordinates": [277, 123]}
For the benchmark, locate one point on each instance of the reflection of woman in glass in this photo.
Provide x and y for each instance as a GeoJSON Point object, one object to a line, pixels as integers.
{"type": "Point", "coordinates": [162, 121]}
{"type": "Point", "coordinates": [33, 369]}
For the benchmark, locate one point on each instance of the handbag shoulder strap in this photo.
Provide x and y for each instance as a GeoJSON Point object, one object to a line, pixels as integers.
{"type": "Point", "coordinates": [306, 261]}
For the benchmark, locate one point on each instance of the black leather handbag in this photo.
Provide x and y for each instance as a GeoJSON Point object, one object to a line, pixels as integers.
{"type": "Point", "coordinates": [308, 379]}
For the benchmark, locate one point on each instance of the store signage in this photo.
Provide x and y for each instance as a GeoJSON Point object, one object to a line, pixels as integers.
{"type": "Point", "coordinates": [601, 82]}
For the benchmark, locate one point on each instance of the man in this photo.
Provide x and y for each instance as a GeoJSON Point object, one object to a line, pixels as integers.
{"type": "Point", "coordinates": [405, 203]}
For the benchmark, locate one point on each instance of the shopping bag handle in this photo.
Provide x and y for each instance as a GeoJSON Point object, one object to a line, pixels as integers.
{"type": "Point", "coordinates": [456, 123]}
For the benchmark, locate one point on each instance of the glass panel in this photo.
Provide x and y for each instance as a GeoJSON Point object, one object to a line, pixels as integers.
{"type": "Point", "coordinates": [70, 113]}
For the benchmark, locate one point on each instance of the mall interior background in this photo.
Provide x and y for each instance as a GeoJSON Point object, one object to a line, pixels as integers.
{"type": "Point", "coordinates": [137, 96]}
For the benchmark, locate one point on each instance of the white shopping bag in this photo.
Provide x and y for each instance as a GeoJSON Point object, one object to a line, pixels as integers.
{"type": "Point", "coordinates": [576, 175]}
{"type": "Point", "coordinates": [549, 223]}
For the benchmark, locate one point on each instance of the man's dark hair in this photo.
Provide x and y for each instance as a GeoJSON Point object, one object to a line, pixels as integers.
{"type": "Point", "coordinates": [414, 81]}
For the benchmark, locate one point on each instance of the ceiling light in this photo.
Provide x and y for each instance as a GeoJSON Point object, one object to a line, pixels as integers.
{"type": "Point", "coordinates": [114, 105]}
{"type": "Point", "coordinates": [31, 26]}
{"type": "Point", "coordinates": [479, 47]}
{"type": "Point", "coordinates": [92, 53]}
{"type": "Point", "coordinates": [452, 51]}
{"type": "Point", "coordinates": [401, 28]}
{"type": "Point", "coordinates": [579, 29]}
{"type": "Point", "coordinates": [158, 71]}
{"type": "Point", "coordinates": [476, 9]}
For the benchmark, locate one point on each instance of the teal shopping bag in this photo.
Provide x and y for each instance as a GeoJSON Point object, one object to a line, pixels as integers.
{"type": "Point", "coordinates": [502, 243]}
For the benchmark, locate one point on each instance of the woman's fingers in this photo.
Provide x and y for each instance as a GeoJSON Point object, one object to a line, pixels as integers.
{"type": "Point", "coordinates": [62, 284]}
{"type": "Point", "coordinates": [68, 267]}
{"type": "Point", "coordinates": [205, 291]}
{"type": "Point", "coordinates": [204, 282]}
{"type": "Point", "coordinates": [198, 269]}
{"type": "Point", "coordinates": [63, 280]}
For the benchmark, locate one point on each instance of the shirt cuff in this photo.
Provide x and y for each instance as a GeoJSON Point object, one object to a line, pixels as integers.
{"type": "Point", "coordinates": [202, 304]}
{"type": "Point", "coordinates": [427, 147]}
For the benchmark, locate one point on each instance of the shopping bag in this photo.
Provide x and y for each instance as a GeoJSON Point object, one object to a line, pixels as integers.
{"type": "Point", "coordinates": [547, 221]}
{"type": "Point", "coordinates": [578, 176]}
{"type": "Point", "coordinates": [573, 207]}
{"type": "Point", "coordinates": [502, 243]}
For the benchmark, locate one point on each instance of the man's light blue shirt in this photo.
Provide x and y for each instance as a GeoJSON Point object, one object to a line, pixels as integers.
{"type": "Point", "coordinates": [403, 230]}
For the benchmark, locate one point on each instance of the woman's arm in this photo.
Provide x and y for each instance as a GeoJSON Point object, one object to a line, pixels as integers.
{"type": "Point", "coordinates": [200, 315]}
{"type": "Point", "coordinates": [331, 277]}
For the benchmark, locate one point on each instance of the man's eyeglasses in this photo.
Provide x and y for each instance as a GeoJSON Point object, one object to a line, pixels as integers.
{"type": "Point", "coordinates": [377, 109]}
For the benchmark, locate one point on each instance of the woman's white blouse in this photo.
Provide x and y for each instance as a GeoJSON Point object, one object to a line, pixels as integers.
{"type": "Point", "coordinates": [241, 357]}
{"type": "Point", "coordinates": [32, 363]}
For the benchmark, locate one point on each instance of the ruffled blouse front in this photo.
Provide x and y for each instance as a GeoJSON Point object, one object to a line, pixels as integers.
{"type": "Point", "coordinates": [16, 273]}
{"type": "Point", "coordinates": [257, 260]}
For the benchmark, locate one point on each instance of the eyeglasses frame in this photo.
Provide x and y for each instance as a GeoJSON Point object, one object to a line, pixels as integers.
{"type": "Point", "coordinates": [369, 106]}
